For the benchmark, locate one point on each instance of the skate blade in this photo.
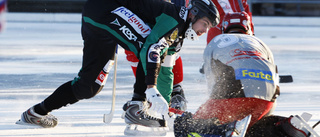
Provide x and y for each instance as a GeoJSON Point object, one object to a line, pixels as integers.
{"type": "Point", "coordinates": [137, 130]}
{"type": "Point", "coordinates": [20, 122]}
{"type": "Point", "coordinates": [299, 121]}
{"type": "Point", "coordinates": [242, 127]}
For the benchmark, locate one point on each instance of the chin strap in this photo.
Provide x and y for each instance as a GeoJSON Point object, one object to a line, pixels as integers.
{"type": "Point", "coordinates": [191, 34]}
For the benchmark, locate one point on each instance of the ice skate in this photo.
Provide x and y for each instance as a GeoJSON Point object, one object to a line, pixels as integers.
{"type": "Point", "coordinates": [31, 118]}
{"type": "Point", "coordinates": [297, 126]}
{"type": "Point", "coordinates": [238, 128]}
{"type": "Point", "coordinates": [178, 100]}
{"type": "Point", "coordinates": [140, 122]}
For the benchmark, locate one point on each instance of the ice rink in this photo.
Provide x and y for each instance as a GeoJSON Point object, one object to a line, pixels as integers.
{"type": "Point", "coordinates": [39, 52]}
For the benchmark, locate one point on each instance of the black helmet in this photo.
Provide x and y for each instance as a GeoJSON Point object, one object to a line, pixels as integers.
{"type": "Point", "coordinates": [204, 8]}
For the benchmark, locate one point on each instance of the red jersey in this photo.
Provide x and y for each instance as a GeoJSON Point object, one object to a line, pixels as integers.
{"type": "Point", "coordinates": [2, 14]}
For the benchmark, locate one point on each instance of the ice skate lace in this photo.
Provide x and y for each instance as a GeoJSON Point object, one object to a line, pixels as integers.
{"type": "Point", "coordinates": [143, 111]}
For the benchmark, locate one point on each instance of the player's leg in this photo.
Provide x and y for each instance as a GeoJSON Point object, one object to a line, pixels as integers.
{"type": "Point", "coordinates": [3, 10]}
{"type": "Point", "coordinates": [135, 110]}
{"type": "Point", "coordinates": [98, 50]}
{"type": "Point", "coordinates": [276, 126]}
{"type": "Point", "coordinates": [96, 54]}
{"type": "Point", "coordinates": [133, 60]}
{"type": "Point", "coordinates": [178, 99]}
{"type": "Point", "coordinates": [178, 71]}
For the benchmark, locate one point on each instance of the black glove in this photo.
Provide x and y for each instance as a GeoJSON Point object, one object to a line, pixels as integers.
{"type": "Point", "coordinates": [185, 124]}
{"type": "Point", "coordinates": [181, 125]}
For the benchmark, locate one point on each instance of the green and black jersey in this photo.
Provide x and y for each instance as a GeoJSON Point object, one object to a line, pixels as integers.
{"type": "Point", "coordinates": [138, 26]}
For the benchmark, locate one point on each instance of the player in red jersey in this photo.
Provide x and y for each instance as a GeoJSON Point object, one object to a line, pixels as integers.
{"type": "Point", "coordinates": [229, 6]}
{"type": "Point", "coordinates": [3, 10]}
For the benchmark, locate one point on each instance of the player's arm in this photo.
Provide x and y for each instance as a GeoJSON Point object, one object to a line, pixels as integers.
{"type": "Point", "coordinates": [150, 55]}
{"type": "Point", "coordinates": [155, 46]}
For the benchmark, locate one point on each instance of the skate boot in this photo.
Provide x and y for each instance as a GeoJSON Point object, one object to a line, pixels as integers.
{"type": "Point", "coordinates": [297, 126]}
{"type": "Point", "coordinates": [178, 100]}
{"type": "Point", "coordinates": [136, 113]}
{"type": "Point", "coordinates": [30, 117]}
{"type": "Point", "coordinates": [140, 122]}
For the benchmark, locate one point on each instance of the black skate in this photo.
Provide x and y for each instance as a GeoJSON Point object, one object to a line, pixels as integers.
{"type": "Point", "coordinates": [140, 123]}
{"type": "Point", "coordinates": [29, 117]}
{"type": "Point", "coordinates": [297, 126]}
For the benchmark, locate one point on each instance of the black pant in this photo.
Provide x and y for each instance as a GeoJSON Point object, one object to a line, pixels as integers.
{"type": "Point", "coordinates": [101, 31]}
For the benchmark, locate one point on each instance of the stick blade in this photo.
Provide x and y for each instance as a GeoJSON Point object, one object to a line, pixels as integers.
{"type": "Point", "coordinates": [286, 79]}
{"type": "Point", "coordinates": [137, 130]}
{"type": "Point", "coordinates": [107, 118]}
{"type": "Point", "coordinates": [306, 116]}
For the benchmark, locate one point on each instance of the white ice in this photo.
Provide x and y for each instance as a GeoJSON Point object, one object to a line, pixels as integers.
{"type": "Point", "coordinates": [39, 52]}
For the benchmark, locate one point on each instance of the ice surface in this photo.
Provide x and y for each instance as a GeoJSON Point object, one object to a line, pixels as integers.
{"type": "Point", "coordinates": [39, 52]}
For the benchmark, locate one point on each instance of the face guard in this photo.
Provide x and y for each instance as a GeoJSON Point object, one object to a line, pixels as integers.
{"type": "Point", "coordinates": [191, 34]}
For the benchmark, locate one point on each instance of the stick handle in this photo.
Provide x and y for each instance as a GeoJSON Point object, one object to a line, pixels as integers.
{"type": "Point", "coordinates": [114, 80]}
{"type": "Point", "coordinates": [107, 118]}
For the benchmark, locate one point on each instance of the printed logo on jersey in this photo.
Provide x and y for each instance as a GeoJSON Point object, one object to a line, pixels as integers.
{"type": "Point", "coordinates": [183, 13]}
{"type": "Point", "coordinates": [127, 32]}
{"type": "Point", "coordinates": [254, 74]}
{"type": "Point", "coordinates": [155, 51]}
{"type": "Point", "coordinates": [115, 22]}
{"type": "Point", "coordinates": [174, 34]}
{"type": "Point", "coordinates": [246, 52]}
{"type": "Point", "coordinates": [154, 57]}
{"type": "Point", "coordinates": [138, 25]}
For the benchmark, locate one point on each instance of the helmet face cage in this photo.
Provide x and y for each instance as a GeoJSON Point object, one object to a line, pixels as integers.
{"type": "Point", "coordinates": [239, 20]}
{"type": "Point", "coordinates": [205, 8]}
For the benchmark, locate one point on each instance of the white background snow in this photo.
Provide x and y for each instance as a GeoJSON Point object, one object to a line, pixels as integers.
{"type": "Point", "coordinates": [39, 52]}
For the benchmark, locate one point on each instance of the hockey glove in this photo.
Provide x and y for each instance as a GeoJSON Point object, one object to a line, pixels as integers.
{"type": "Point", "coordinates": [158, 105]}
{"type": "Point", "coordinates": [181, 125]}
{"type": "Point", "coordinates": [185, 125]}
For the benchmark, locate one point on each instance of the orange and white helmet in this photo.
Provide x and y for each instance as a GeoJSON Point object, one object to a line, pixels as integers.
{"type": "Point", "coordinates": [239, 20]}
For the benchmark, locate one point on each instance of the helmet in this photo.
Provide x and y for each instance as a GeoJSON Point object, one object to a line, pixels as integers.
{"type": "Point", "coordinates": [204, 8]}
{"type": "Point", "coordinates": [237, 20]}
